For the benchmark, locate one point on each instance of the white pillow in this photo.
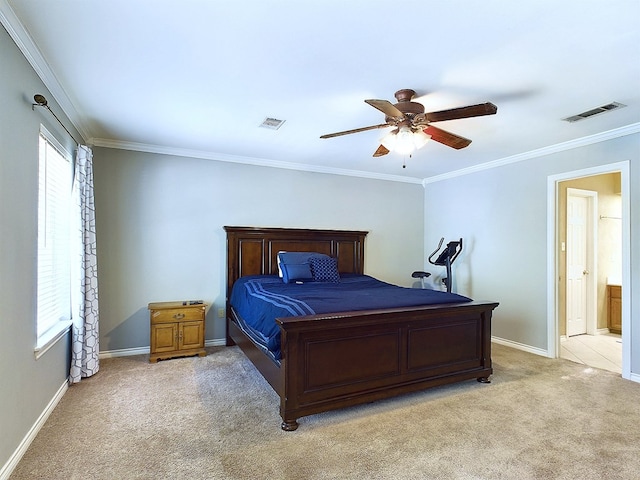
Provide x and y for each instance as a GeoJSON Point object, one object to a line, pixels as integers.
{"type": "Point", "coordinates": [278, 260]}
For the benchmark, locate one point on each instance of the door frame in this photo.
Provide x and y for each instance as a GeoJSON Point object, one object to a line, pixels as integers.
{"type": "Point", "coordinates": [553, 337]}
{"type": "Point", "coordinates": [591, 300]}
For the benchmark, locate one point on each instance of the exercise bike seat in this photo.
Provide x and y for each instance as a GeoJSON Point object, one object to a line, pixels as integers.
{"type": "Point", "coordinates": [420, 274]}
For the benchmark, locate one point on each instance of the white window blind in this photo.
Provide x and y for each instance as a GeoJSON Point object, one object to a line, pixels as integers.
{"type": "Point", "coordinates": [54, 263]}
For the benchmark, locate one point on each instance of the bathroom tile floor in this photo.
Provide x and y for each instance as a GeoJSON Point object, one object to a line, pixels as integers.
{"type": "Point", "coordinates": [599, 351]}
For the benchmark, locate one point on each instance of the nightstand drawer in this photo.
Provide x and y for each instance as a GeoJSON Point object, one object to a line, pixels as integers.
{"type": "Point", "coordinates": [177, 315]}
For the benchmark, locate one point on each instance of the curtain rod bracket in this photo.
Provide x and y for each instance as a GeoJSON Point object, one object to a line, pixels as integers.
{"type": "Point", "coordinates": [41, 101]}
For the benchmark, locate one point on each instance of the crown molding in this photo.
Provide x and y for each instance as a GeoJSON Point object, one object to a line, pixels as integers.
{"type": "Point", "coordinates": [559, 147]}
{"type": "Point", "coordinates": [33, 55]}
{"type": "Point", "coordinates": [221, 157]}
{"type": "Point", "coordinates": [262, 162]}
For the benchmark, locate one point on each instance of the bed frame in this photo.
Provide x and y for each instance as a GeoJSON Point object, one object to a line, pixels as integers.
{"type": "Point", "coordinates": [331, 361]}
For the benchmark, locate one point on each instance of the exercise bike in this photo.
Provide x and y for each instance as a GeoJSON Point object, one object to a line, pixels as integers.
{"type": "Point", "coordinates": [444, 259]}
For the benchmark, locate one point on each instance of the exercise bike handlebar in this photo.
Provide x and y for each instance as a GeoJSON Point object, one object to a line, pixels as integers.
{"type": "Point", "coordinates": [451, 252]}
{"type": "Point", "coordinates": [435, 251]}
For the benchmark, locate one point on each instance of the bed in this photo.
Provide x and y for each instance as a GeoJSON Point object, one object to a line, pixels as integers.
{"type": "Point", "coordinates": [333, 360]}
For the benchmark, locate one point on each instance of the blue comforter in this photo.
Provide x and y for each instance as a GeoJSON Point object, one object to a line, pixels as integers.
{"type": "Point", "coordinates": [260, 299]}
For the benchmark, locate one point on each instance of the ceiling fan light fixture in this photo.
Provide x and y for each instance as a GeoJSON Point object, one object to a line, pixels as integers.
{"type": "Point", "coordinates": [420, 139]}
{"type": "Point", "coordinates": [405, 141]}
{"type": "Point", "coordinates": [389, 140]}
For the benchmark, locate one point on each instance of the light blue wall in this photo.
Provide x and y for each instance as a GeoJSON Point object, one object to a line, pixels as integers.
{"type": "Point", "coordinates": [502, 215]}
{"type": "Point", "coordinates": [160, 230]}
{"type": "Point", "coordinates": [28, 385]}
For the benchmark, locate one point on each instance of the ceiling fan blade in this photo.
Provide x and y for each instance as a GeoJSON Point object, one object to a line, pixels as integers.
{"type": "Point", "coordinates": [462, 112]}
{"type": "Point", "coordinates": [446, 138]}
{"type": "Point", "coordinates": [386, 107]}
{"type": "Point", "coordinates": [355, 130]}
{"type": "Point", "coordinates": [382, 150]}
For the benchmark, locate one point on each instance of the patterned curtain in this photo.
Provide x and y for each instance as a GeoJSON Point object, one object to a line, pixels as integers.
{"type": "Point", "coordinates": [85, 345]}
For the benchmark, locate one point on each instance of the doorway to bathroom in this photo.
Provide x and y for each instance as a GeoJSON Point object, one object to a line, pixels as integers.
{"type": "Point", "coordinates": [589, 265]}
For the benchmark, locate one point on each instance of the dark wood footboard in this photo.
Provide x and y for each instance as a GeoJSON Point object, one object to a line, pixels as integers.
{"type": "Point", "coordinates": [353, 358]}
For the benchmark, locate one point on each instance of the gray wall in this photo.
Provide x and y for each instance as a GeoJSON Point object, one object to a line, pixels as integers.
{"type": "Point", "coordinates": [160, 230]}
{"type": "Point", "coordinates": [28, 385]}
{"type": "Point", "coordinates": [502, 215]}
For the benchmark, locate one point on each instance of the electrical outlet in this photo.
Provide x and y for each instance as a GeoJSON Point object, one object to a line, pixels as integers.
{"type": "Point", "coordinates": [221, 313]}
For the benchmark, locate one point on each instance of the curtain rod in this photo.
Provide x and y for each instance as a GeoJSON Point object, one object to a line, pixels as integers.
{"type": "Point", "coordinates": [41, 101]}
{"type": "Point", "coordinates": [612, 218]}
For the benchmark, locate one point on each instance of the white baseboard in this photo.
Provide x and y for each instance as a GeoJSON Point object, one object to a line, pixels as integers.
{"type": "Point", "coordinates": [520, 346]}
{"type": "Point", "coordinates": [9, 467]}
{"type": "Point", "coordinates": [126, 352]}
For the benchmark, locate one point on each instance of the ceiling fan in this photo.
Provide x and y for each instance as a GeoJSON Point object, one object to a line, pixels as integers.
{"type": "Point", "coordinates": [413, 126]}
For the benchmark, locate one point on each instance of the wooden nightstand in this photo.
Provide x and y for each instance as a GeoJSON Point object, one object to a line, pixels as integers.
{"type": "Point", "coordinates": [177, 330]}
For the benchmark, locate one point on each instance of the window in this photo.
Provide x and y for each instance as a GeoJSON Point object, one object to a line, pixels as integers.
{"type": "Point", "coordinates": [54, 263]}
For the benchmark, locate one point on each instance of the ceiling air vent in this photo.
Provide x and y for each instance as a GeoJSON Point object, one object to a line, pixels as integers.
{"type": "Point", "coordinates": [594, 111]}
{"type": "Point", "coordinates": [272, 123]}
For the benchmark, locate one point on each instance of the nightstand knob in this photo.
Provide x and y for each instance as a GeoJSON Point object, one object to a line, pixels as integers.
{"type": "Point", "coordinates": [178, 316]}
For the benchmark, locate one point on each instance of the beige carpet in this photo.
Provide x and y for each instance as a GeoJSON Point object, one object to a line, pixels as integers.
{"type": "Point", "coordinates": [216, 418]}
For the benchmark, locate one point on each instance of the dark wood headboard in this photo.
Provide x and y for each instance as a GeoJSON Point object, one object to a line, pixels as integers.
{"type": "Point", "coordinates": [253, 250]}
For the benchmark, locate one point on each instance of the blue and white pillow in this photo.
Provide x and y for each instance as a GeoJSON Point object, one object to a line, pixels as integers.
{"type": "Point", "coordinates": [324, 269]}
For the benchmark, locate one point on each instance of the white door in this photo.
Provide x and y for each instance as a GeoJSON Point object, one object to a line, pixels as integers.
{"type": "Point", "coordinates": [578, 262]}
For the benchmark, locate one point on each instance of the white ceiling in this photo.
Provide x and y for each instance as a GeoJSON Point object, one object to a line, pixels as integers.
{"type": "Point", "coordinates": [198, 77]}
